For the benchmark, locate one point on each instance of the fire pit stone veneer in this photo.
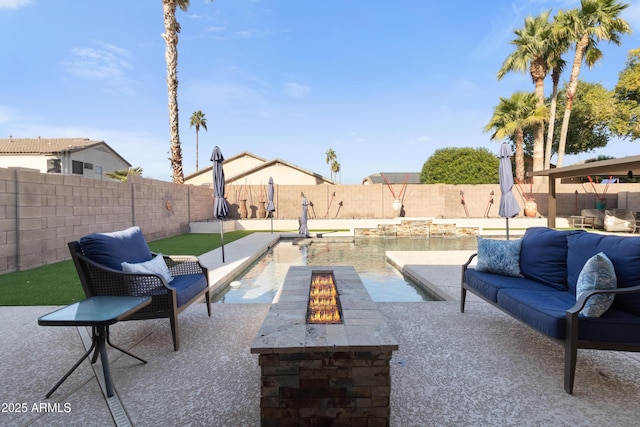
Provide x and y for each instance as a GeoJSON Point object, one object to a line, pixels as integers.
{"type": "Point", "coordinates": [324, 374]}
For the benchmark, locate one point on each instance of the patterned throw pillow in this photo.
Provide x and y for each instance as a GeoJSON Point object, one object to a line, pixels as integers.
{"type": "Point", "coordinates": [598, 273]}
{"type": "Point", "coordinates": [499, 256]}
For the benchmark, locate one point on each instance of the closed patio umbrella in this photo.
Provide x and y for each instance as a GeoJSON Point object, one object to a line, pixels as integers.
{"type": "Point", "coordinates": [508, 204]}
{"type": "Point", "coordinates": [271, 208]}
{"type": "Point", "coordinates": [220, 206]}
{"type": "Point", "coordinates": [304, 231]}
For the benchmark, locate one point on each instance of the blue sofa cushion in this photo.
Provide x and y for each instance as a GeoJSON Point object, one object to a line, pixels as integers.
{"type": "Point", "coordinates": [597, 273]}
{"type": "Point", "coordinates": [112, 249]}
{"type": "Point", "coordinates": [624, 253]}
{"type": "Point", "coordinates": [188, 286]}
{"type": "Point", "coordinates": [488, 284]}
{"type": "Point", "coordinates": [499, 256]}
{"type": "Point", "coordinates": [544, 310]}
{"type": "Point", "coordinates": [543, 256]}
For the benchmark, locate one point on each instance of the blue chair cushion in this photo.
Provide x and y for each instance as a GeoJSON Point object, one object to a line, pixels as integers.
{"type": "Point", "coordinates": [543, 256]}
{"type": "Point", "coordinates": [112, 249]}
{"type": "Point", "coordinates": [188, 286]}
{"type": "Point", "coordinates": [545, 311]}
{"type": "Point", "coordinates": [597, 273]}
{"type": "Point", "coordinates": [624, 253]}
{"type": "Point", "coordinates": [488, 284]}
{"type": "Point", "coordinates": [499, 256]}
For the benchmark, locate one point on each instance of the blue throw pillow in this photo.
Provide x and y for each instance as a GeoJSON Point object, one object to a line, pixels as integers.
{"type": "Point", "coordinates": [112, 249]}
{"type": "Point", "coordinates": [499, 256]}
{"type": "Point", "coordinates": [597, 273]}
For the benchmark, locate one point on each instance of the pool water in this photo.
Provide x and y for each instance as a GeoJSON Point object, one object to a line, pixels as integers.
{"type": "Point", "coordinates": [260, 283]}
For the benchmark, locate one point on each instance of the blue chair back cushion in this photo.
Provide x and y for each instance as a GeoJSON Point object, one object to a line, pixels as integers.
{"type": "Point", "coordinates": [624, 253]}
{"type": "Point", "coordinates": [543, 256]}
{"type": "Point", "coordinates": [112, 249]}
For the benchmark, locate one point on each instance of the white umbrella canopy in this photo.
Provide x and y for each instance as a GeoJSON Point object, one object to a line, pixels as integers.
{"type": "Point", "coordinates": [271, 207]}
{"type": "Point", "coordinates": [304, 230]}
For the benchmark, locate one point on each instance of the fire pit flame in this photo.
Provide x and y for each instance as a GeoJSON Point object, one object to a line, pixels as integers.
{"type": "Point", "coordinates": [323, 300]}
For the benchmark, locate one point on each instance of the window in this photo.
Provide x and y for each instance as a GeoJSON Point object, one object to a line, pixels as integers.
{"type": "Point", "coordinates": [88, 166]}
{"type": "Point", "coordinates": [54, 166]}
{"type": "Point", "coordinates": [77, 167]}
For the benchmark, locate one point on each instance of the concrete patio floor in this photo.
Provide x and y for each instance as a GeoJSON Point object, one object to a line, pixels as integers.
{"type": "Point", "coordinates": [451, 369]}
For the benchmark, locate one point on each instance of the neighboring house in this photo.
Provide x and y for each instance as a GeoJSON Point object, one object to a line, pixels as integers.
{"type": "Point", "coordinates": [393, 178]}
{"type": "Point", "coordinates": [65, 156]}
{"type": "Point", "coordinates": [248, 169]}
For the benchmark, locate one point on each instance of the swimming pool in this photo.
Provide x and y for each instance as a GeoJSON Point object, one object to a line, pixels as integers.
{"type": "Point", "coordinates": [260, 283]}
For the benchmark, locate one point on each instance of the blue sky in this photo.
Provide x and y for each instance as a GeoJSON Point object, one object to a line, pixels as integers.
{"type": "Point", "coordinates": [384, 83]}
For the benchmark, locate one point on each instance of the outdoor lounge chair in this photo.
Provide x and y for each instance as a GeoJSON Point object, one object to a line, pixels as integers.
{"type": "Point", "coordinates": [120, 263]}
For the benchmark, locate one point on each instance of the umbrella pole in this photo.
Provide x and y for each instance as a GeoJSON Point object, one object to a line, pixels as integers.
{"type": "Point", "coordinates": [271, 213]}
{"type": "Point", "coordinates": [222, 239]}
{"type": "Point", "coordinates": [507, 231]}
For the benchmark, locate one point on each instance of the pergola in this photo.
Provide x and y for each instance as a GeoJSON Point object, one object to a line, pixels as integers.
{"type": "Point", "coordinates": [626, 166]}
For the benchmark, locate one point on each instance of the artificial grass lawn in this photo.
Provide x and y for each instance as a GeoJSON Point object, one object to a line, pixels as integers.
{"type": "Point", "coordinates": [58, 283]}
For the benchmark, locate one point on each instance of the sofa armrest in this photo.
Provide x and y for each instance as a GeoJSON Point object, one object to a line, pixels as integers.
{"type": "Point", "coordinates": [580, 303]}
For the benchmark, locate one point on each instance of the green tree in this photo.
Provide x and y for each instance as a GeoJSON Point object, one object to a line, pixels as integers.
{"type": "Point", "coordinates": [171, 30]}
{"type": "Point", "coordinates": [198, 120]}
{"type": "Point", "coordinates": [627, 94]}
{"type": "Point", "coordinates": [596, 20]}
{"type": "Point", "coordinates": [460, 166]}
{"type": "Point", "coordinates": [331, 159]}
{"type": "Point", "coordinates": [335, 168]}
{"type": "Point", "coordinates": [532, 47]}
{"type": "Point", "coordinates": [510, 117]}
{"type": "Point", "coordinates": [123, 174]}
{"type": "Point", "coordinates": [593, 113]}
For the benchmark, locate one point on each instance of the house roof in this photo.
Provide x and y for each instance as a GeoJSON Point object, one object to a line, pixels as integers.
{"type": "Point", "coordinates": [285, 163]}
{"type": "Point", "coordinates": [50, 146]}
{"type": "Point", "coordinates": [394, 178]}
{"type": "Point", "coordinates": [265, 164]}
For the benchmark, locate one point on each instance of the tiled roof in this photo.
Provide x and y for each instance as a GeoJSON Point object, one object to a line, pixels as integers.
{"type": "Point", "coordinates": [43, 145]}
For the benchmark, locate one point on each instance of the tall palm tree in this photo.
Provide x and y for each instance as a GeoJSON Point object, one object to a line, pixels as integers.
{"type": "Point", "coordinates": [335, 168]}
{"type": "Point", "coordinates": [331, 159]}
{"type": "Point", "coordinates": [197, 120]}
{"type": "Point", "coordinates": [171, 30]}
{"type": "Point", "coordinates": [558, 47]}
{"type": "Point", "coordinates": [596, 20]}
{"type": "Point", "coordinates": [510, 117]}
{"type": "Point", "coordinates": [532, 49]}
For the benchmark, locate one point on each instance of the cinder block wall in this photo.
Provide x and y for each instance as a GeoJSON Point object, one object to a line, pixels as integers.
{"type": "Point", "coordinates": [40, 213]}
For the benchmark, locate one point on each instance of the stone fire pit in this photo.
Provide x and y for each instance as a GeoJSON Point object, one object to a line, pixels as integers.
{"type": "Point", "coordinates": [316, 374]}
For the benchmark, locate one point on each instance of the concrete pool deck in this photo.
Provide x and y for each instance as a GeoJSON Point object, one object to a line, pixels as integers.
{"type": "Point", "coordinates": [451, 369]}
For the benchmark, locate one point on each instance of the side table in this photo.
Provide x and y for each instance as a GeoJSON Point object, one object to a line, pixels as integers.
{"type": "Point", "coordinates": [98, 312]}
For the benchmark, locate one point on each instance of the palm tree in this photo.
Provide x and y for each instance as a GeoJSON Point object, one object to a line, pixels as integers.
{"type": "Point", "coordinates": [558, 46]}
{"type": "Point", "coordinates": [331, 159]}
{"type": "Point", "coordinates": [335, 168]}
{"type": "Point", "coordinates": [171, 30]}
{"type": "Point", "coordinates": [510, 118]}
{"type": "Point", "coordinates": [197, 120]}
{"type": "Point", "coordinates": [532, 49]}
{"type": "Point", "coordinates": [123, 174]}
{"type": "Point", "coordinates": [595, 21]}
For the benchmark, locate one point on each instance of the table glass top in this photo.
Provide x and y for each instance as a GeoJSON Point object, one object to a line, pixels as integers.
{"type": "Point", "coordinates": [95, 310]}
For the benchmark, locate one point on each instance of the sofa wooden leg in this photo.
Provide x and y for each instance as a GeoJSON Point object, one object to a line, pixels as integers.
{"type": "Point", "coordinates": [173, 319]}
{"type": "Point", "coordinates": [463, 297]}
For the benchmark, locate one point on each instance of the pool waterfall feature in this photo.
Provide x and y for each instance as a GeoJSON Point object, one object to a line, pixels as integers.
{"type": "Point", "coordinates": [312, 374]}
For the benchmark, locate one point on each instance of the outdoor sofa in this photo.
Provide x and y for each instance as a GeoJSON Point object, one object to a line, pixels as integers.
{"type": "Point", "coordinates": [536, 279]}
{"type": "Point", "coordinates": [121, 263]}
